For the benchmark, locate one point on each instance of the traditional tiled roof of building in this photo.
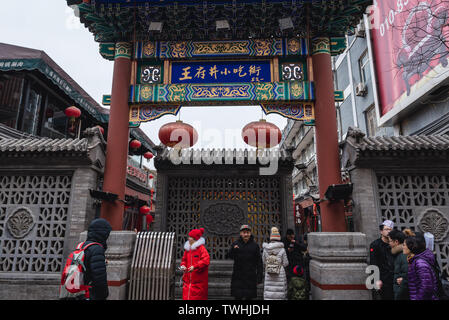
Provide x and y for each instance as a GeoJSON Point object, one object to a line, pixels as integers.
{"type": "Point", "coordinates": [431, 142]}
{"type": "Point", "coordinates": [226, 156]}
{"type": "Point", "coordinates": [21, 58]}
{"type": "Point", "coordinates": [37, 145]}
{"type": "Point", "coordinates": [361, 150]}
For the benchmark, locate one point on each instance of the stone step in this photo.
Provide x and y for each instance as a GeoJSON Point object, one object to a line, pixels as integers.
{"type": "Point", "coordinates": [218, 291]}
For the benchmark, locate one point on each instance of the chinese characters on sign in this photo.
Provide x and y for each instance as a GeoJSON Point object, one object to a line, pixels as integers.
{"type": "Point", "coordinates": [135, 172]}
{"type": "Point", "coordinates": [221, 72]}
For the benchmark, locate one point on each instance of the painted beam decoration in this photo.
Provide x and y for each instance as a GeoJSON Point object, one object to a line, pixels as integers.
{"type": "Point", "coordinates": [144, 113]}
{"type": "Point", "coordinates": [222, 93]}
{"type": "Point", "coordinates": [207, 49]}
{"type": "Point", "coordinates": [271, 73]}
{"type": "Point", "coordinates": [297, 111]}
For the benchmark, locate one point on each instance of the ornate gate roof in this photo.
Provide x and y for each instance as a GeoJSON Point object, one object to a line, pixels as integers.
{"type": "Point", "coordinates": [116, 20]}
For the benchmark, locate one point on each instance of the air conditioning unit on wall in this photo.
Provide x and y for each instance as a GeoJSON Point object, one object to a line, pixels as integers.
{"type": "Point", "coordinates": [360, 30]}
{"type": "Point", "coordinates": [361, 90]}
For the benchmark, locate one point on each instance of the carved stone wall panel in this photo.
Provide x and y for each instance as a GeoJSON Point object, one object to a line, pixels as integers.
{"type": "Point", "coordinates": [419, 202]}
{"type": "Point", "coordinates": [442, 250]}
{"type": "Point", "coordinates": [195, 202]}
{"type": "Point", "coordinates": [33, 222]}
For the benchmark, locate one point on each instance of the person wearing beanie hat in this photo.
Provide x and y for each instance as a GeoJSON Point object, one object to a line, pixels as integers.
{"type": "Point", "coordinates": [195, 265]}
{"type": "Point", "coordinates": [275, 260]}
{"type": "Point", "coordinates": [275, 235]}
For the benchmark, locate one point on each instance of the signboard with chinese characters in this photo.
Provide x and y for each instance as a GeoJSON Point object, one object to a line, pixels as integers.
{"type": "Point", "coordinates": [221, 71]}
{"type": "Point", "coordinates": [137, 173]}
{"type": "Point", "coordinates": [410, 47]}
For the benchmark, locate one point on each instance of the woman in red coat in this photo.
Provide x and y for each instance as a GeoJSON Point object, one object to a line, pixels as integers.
{"type": "Point", "coordinates": [195, 264]}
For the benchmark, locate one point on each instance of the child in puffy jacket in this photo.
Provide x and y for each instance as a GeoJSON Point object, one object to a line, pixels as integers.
{"type": "Point", "coordinates": [297, 287]}
{"type": "Point", "coordinates": [195, 265]}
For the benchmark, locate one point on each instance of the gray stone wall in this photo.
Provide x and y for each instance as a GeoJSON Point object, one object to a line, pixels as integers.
{"type": "Point", "coordinates": [365, 208]}
{"type": "Point", "coordinates": [51, 190]}
{"type": "Point", "coordinates": [338, 266]}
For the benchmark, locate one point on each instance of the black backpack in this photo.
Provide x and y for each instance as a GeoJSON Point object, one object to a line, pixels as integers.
{"type": "Point", "coordinates": [442, 295]}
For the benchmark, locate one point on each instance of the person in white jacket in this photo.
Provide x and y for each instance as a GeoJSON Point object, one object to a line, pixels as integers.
{"type": "Point", "coordinates": [275, 260]}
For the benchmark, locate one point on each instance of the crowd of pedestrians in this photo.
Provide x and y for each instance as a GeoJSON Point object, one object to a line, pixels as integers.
{"type": "Point", "coordinates": [408, 267]}
{"type": "Point", "coordinates": [281, 265]}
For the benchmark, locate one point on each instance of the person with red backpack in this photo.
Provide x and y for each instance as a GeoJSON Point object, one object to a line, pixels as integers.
{"type": "Point", "coordinates": [84, 276]}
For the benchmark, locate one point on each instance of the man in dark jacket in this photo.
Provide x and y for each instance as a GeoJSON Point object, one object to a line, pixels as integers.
{"type": "Point", "coordinates": [247, 272]}
{"type": "Point", "coordinates": [95, 275]}
{"type": "Point", "coordinates": [381, 256]}
{"type": "Point", "coordinates": [294, 252]}
{"type": "Point", "coordinates": [400, 277]}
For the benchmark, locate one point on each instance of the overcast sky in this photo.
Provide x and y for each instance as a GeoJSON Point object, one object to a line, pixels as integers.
{"type": "Point", "coordinates": [50, 25]}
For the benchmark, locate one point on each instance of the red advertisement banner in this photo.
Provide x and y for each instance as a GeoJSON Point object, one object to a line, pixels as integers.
{"type": "Point", "coordinates": [410, 45]}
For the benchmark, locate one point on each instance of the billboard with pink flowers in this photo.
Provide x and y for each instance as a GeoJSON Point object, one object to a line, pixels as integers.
{"type": "Point", "coordinates": [410, 40]}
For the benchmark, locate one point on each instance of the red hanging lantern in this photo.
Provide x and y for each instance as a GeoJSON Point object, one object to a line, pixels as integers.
{"type": "Point", "coordinates": [135, 144]}
{"type": "Point", "coordinates": [150, 176]}
{"type": "Point", "coordinates": [261, 134]}
{"type": "Point", "coordinates": [101, 129]}
{"type": "Point", "coordinates": [148, 155]}
{"type": "Point", "coordinates": [178, 135]}
{"type": "Point", "coordinates": [72, 113]}
{"type": "Point", "coordinates": [144, 210]}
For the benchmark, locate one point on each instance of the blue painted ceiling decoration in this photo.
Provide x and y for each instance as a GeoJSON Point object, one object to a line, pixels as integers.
{"type": "Point", "coordinates": [182, 20]}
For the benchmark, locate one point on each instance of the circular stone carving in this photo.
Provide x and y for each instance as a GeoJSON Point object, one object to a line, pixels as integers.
{"type": "Point", "coordinates": [20, 223]}
{"type": "Point", "coordinates": [223, 219]}
{"type": "Point", "coordinates": [433, 221]}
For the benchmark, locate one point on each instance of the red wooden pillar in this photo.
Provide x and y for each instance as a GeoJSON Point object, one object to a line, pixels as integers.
{"type": "Point", "coordinates": [118, 137]}
{"type": "Point", "coordinates": [327, 151]}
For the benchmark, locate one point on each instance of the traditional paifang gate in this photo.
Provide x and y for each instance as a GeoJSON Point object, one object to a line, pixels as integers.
{"type": "Point", "coordinates": [272, 53]}
{"type": "Point", "coordinates": [221, 198]}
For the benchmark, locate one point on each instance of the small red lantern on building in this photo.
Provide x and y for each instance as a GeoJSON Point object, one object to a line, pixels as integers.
{"type": "Point", "coordinates": [144, 210]}
{"type": "Point", "coordinates": [148, 155]}
{"type": "Point", "coordinates": [72, 113]}
{"type": "Point", "coordinates": [135, 144]}
{"type": "Point", "coordinates": [178, 135]}
{"type": "Point", "coordinates": [261, 134]}
{"type": "Point", "coordinates": [150, 176]}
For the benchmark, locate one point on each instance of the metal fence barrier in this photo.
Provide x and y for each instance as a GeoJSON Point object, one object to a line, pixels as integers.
{"type": "Point", "coordinates": [152, 274]}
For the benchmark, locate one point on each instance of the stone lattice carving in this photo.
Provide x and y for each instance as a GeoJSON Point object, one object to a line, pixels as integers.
{"type": "Point", "coordinates": [433, 221]}
{"type": "Point", "coordinates": [261, 196]}
{"type": "Point", "coordinates": [20, 223]}
{"type": "Point", "coordinates": [33, 244]}
{"type": "Point", "coordinates": [223, 219]}
{"type": "Point", "coordinates": [402, 197]}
